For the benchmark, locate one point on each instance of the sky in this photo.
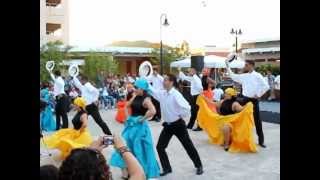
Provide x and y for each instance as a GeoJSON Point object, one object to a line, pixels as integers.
{"type": "Point", "coordinates": [99, 22]}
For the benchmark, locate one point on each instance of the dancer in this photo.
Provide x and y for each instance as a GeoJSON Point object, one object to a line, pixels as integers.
{"type": "Point", "coordinates": [137, 131]}
{"type": "Point", "coordinates": [253, 87]}
{"type": "Point", "coordinates": [47, 120]}
{"type": "Point", "coordinates": [121, 115]}
{"type": "Point", "coordinates": [196, 89]}
{"type": "Point", "coordinates": [62, 103]}
{"type": "Point", "coordinates": [174, 108]}
{"type": "Point", "coordinates": [157, 82]}
{"type": "Point", "coordinates": [67, 139]}
{"type": "Point", "coordinates": [208, 84]}
{"type": "Point", "coordinates": [91, 96]}
{"type": "Point", "coordinates": [233, 127]}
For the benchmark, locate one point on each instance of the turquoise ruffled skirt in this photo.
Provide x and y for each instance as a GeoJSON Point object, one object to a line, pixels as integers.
{"type": "Point", "coordinates": [139, 140]}
{"type": "Point", "coordinates": [47, 121]}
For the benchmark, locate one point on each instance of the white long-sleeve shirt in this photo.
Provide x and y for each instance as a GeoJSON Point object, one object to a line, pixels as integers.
{"type": "Point", "coordinates": [196, 85]}
{"type": "Point", "coordinates": [277, 82]}
{"type": "Point", "coordinates": [157, 81]}
{"type": "Point", "coordinates": [88, 91]}
{"type": "Point", "coordinates": [172, 104]}
{"type": "Point", "coordinates": [253, 84]}
{"type": "Point", "coordinates": [58, 87]}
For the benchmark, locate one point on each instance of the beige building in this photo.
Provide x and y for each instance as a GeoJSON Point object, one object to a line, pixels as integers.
{"type": "Point", "coordinates": [264, 51]}
{"type": "Point", "coordinates": [54, 21]}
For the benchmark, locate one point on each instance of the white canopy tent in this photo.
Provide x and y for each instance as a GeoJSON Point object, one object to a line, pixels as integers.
{"type": "Point", "coordinates": [210, 61]}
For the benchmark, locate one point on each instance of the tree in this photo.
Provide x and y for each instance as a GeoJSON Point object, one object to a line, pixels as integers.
{"type": "Point", "coordinates": [52, 51]}
{"type": "Point", "coordinates": [96, 62]}
{"type": "Point", "coordinates": [170, 54]}
{"type": "Point", "coordinates": [265, 67]}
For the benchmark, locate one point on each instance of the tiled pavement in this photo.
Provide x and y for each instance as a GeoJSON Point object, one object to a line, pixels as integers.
{"type": "Point", "coordinates": [218, 164]}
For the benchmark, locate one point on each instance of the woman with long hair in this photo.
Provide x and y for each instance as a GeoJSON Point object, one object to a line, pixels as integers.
{"type": "Point", "coordinates": [137, 133]}
{"type": "Point", "coordinates": [69, 138]}
{"type": "Point", "coordinates": [208, 84]}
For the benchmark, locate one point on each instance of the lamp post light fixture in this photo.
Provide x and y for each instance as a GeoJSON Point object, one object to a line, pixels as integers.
{"type": "Point", "coordinates": [237, 33]}
{"type": "Point", "coordinates": [162, 23]}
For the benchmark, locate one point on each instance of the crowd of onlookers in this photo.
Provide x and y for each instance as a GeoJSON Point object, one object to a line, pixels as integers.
{"type": "Point", "coordinates": [274, 84]}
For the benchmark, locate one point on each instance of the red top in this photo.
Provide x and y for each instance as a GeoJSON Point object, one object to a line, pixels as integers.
{"type": "Point", "coordinates": [209, 94]}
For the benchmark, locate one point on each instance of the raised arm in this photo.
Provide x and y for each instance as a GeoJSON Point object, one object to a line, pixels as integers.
{"type": "Point", "coordinates": [182, 76]}
{"type": "Point", "coordinates": [77, 83]}
{"type": "Point", "coordinates": [236, 77]}
{"type": "Point", "coordinates": [155, 92]}
{"type": "Point", "coordinates": [52, 76]}
{"type": "Point", "coordinates": [135, 170]}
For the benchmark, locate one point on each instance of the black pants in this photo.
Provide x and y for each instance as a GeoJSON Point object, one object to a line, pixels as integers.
{"type": "Point", "coordinates": [157, 106]}
{"type": "Point", "coordinates": [178, 129]}
{"type": "Point", "coordinates": [61, 109]}
{"type": "Point", "coordinates": [93, 110]}
{"type": "Point", "coordinates": [256, 116]}
{"type": "Point", "coordinates": [194, 111]}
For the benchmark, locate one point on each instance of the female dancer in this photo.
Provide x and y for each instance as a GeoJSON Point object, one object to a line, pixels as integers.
{"type": "Point", "coordinates": [137, 132]}
{"type": "Point", "coordinates": [233, 127]}
{"type": "Point", "coordinates": [67, 139]}
{"type": "Point", "coordinates": [47, 121]}
{"type": "Point", "coordinates": [208, 84]}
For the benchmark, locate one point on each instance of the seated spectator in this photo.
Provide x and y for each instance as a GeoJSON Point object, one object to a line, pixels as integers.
{"type": "Point", "coordinates": [49, 172]}
{"type": "Point", "coordinates": [122, 92]}
{"type": "Point", "coordinates": [89, 163]}
{"type": "Point", "coordinates": [107, 99]}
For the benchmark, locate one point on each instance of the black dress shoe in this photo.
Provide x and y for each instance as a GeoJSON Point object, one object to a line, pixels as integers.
{"type": "Point", "coordinates": [199, 170]}
{"type": "Point", "coordinates": [262, 145]}
{"type": "Point", "coordinates": [165, 172]}
{"type": "Point", "coordinates": [197, 129]}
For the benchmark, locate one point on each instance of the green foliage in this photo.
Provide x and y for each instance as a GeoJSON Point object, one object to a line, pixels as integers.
{"type": "Point", "coordinates": [97, 62]}
{"type": "Point", "coordinates": [265, 67]}
{"type": "Point", "coordinates": [52, 51]}
{"type": "Point", "coordinates": [170, 54]}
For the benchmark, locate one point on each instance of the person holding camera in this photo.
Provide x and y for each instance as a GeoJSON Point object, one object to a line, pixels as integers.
{"type": "Point", "coordinates": [67, 139]}
{"type": "Point", "coordinates": [93, 164]}
{"type": "Point", "coordinates": [137, 132]}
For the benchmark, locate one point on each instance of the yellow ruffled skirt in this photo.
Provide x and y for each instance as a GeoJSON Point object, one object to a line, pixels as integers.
{"type": "Point", "coordinates": [242, 124]}
{"type": "Point", "coordinates": [67, 139]}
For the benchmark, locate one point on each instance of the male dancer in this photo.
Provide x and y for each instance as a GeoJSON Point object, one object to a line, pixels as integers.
{"type": "Point", "coordinates": [61, 107]}
{"type": "Point", "coordinates": [157, 82]}
{"type": "Point", "coordinates": [196, 89]}
{"type": "Point", "coordinates": [253, 87]}
{"type": "Point", "coordinates": [91, 95]}
{"type": "Point", "coordinates": [173, 108]}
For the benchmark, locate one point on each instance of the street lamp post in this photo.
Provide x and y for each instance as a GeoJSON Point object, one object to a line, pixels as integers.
{"type": "Point", "coordinates": [237, 33]}
{"type": "Point", "coordinates": [165, 23]}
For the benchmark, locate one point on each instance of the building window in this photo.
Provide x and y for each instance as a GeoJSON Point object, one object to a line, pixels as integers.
{"type": "Point", "coordinates": [53, 3]}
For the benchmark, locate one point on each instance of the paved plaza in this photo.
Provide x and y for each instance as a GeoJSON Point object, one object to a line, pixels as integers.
{"type": "Point", "coordinates": [218, 164]}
